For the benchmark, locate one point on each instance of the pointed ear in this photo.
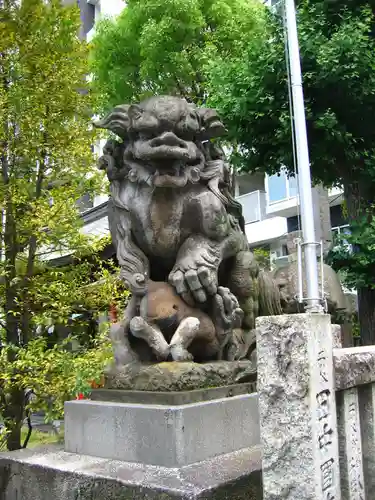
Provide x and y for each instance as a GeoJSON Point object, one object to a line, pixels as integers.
{"type": "Point", "coordinates": [117, 121]}
{"type": "Point", "coordinates": [211, 125]}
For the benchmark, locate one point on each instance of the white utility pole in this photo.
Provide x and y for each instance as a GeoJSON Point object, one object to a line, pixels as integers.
{"type": "Point", "coordinates": [313, 298]}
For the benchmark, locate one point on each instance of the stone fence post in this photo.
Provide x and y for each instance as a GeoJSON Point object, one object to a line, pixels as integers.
{"type": "Point", "coordinates": [297, 408]}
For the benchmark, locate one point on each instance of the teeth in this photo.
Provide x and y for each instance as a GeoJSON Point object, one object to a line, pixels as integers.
{"type": "Point", "coordinates": [171, 172]}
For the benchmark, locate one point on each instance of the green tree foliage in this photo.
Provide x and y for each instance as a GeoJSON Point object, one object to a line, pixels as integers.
{"type": "Point", "coordinates": [166, 46]}
{"type": "Point", "coordinates": [338, 60]}
{"type": "Point", "coordinates": [353, 255]}
{"type": "Point", "coordinates": [46, 163]}
{"type": "Point", "coordinates": [57, 368]}
{"type": "Point", "coordinates": [55, 375]}
{"type": "Point", "coordinates": [87, 284]}
{"type": "Point", "coordinates": [263, 258]}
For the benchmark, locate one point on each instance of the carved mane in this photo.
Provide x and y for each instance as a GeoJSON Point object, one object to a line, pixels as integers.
{"type": "Point", "coordinates": [119, 163]}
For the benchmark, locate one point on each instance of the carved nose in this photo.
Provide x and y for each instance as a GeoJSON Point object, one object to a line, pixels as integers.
{"type": "Point", "coordinates": [169, 139]}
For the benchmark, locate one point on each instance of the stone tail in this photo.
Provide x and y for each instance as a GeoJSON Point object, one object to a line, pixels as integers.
{"type": "Point", "coordinates": [269, 296]}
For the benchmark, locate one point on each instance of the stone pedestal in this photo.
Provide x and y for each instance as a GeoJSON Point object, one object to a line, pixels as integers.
{"type": "Point", "coordinates": [168, 436]}
{"type": "Point", "coordinates": [186, 449]}
{"type": "Point", "coordinates": [58, 475]}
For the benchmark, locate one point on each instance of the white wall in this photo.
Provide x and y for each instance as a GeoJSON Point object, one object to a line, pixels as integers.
{"type": "Point", "coordinates": [105, 8]}
{"type": "Point", "coordinates": [111, 7]}
{"type": "Point", "coordinates": [266, 230]}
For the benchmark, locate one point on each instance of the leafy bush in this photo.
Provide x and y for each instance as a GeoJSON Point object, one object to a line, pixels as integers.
{"type": "Point", "coordinates": [54, 375]}
{"type": "Point", "coordinates": [262, 256]}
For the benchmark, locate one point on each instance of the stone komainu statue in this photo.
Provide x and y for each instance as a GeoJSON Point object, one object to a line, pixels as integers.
{"type": "Point", "coordinates": [175, 223]}
{"type": "Point", "coordinates": [180, 241]}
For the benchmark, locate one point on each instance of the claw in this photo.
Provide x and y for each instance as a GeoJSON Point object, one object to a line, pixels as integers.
{"type": "Point", "coordinates": [193, 280]}
{"type": "Point", "coordinates": [200, 296]}
{"type": "Point", "coordinates": [207, 278]}
{"type": "Point", "coordinates": [177, 280]}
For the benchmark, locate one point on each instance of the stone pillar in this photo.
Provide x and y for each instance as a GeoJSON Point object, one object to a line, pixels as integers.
{"type": "Point", "coordinates": [297, 407]}
{"type": "Point", "coordinates": [367, 422]}
{"type": "Point", "coordinates": [351, 461]}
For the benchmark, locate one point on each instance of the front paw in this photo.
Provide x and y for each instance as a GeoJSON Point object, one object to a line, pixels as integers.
{"type": "Point", "coordinates": [227, 312]}
{"type": "Point", "coordinates": [200, 282]}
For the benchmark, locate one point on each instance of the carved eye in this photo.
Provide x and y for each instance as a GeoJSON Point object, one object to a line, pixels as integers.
{"type": "Point", "coordinates": [188, 126]}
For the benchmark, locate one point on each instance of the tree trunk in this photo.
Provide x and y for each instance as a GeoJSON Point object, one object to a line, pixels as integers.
{"type": "Point", "coordinates": [366, 314]}
{"type": "Point", "coordinates": [33, 244]}
{"type": "Point", "coordinates": [14, 409]}
{"type": "Point", "coordinates": [13, 418]}
{"type": "Point", "coordinates": [358, 200]}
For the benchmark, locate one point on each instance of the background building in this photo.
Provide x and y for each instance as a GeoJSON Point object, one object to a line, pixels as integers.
{"type": "Point", "coordinates": [271, 209]}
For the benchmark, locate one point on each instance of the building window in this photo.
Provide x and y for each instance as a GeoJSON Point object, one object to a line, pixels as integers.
{"type": "Point", "coordinates": [292, 183]}
{"type": "Point", "coordinates": [341, 232]}
{"type": "Point", "coordinates": [293, 224]}
{"type": "Point", "coordinates": [280, 187]}
{"type": "Point", "coordinates": [337, 217]}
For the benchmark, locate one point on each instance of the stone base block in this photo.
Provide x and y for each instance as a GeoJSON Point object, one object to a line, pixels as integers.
{"type": "Point", "coordinates": [172, 398]}
{"type": "Point", "coordinates": [54, 474]}
{"type": "Point", "coordinates": [176, 376]}
{"type": "Point", "coordinates": [169, 436]}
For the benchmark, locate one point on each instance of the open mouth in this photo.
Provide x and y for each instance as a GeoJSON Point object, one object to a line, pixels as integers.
{"type": "Point", "coordinates": [171, 176]}
{"type": "Point", "coordinates": [177, 174]}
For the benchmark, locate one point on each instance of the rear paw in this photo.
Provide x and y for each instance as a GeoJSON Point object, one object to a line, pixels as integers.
{"type": "Point", "coordinates": [179, 353]}
{"type": "Point", "coordinates": [161, 354]}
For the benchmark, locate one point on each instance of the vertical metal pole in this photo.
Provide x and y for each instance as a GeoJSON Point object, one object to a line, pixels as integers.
{"type": "Point", "coordinates": [303, 162]}
{"type": "Point", "coordinates": [300, 271]}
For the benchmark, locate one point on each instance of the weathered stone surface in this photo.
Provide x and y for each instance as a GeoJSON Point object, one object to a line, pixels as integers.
{"type": "Point", "coordinates": [350, 439]}
{"type": "Point", "coordinates": [175, 225]}
{"type": "Point", "coordinates": [286, 278]}
{"type": "Point", "coordinates": [53, 474]}
{"type": "Point", "coordinates": [170, 436]}
{"type": "Point", "coordinates": [297, 408]}
{"type": "Point", "coordinates": [172, 398]}
{"type": "Point", "coordinates": [354, 366]}
{"type": "Point", "coordinates": [173, 376]}
{"type": "Point", "coordinates": [366, 395]}
{"type": "Point", "coordinates": [180, 239]}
